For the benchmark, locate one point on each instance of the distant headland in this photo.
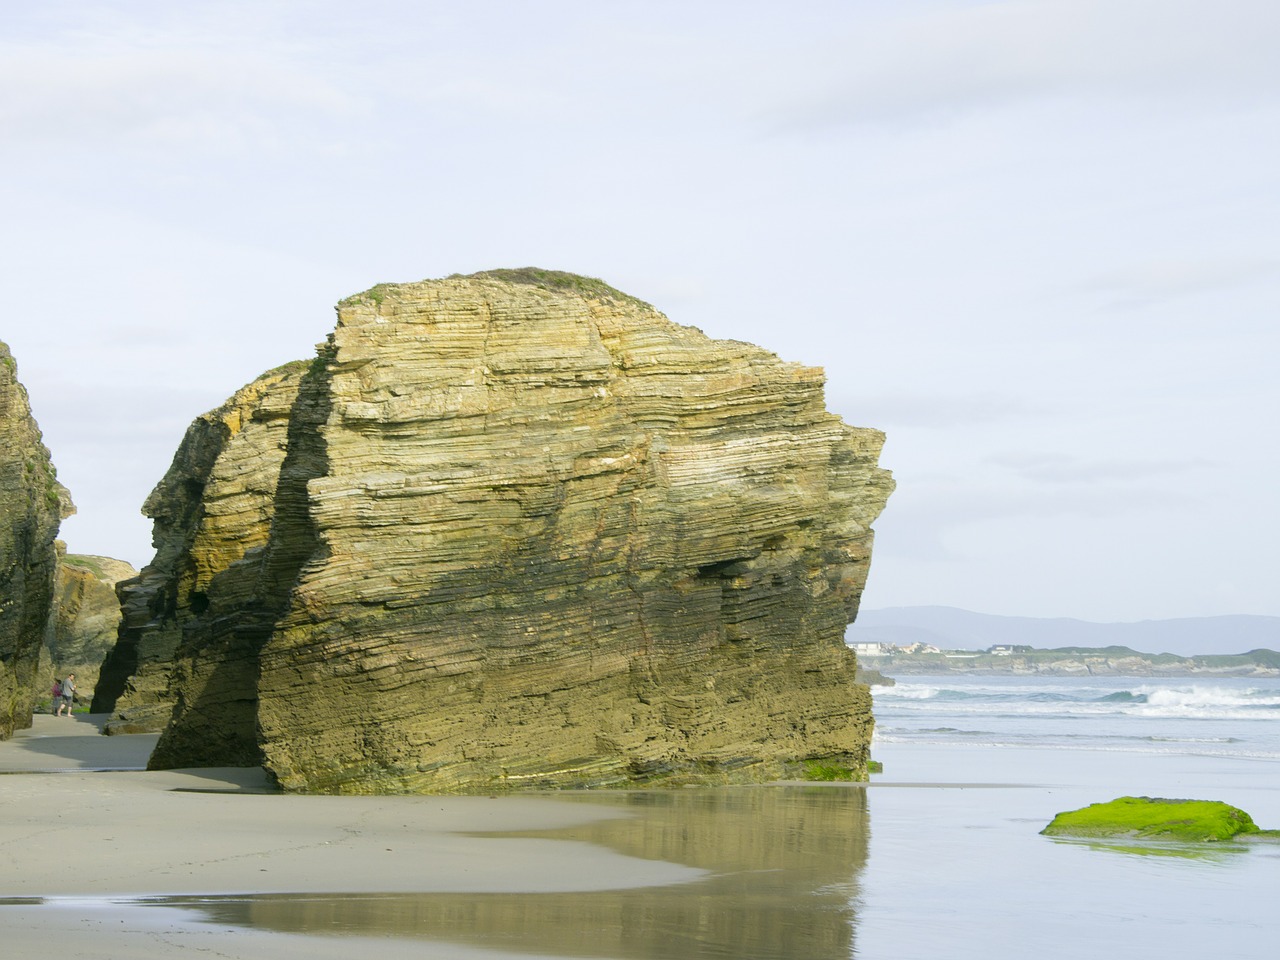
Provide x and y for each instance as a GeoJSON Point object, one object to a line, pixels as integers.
{"type": "Point", "coordinates": [950, 628]}
{"type": "Point", "coordinates": [921, 658]}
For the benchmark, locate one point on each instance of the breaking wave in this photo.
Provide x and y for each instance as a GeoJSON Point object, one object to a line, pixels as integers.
{"type": "Point", "coordinates": [1191, 701]}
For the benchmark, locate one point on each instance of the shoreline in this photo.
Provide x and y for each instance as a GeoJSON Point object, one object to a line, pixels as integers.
{"type": "Point", "coordinates": [129, 863]}
{"type": "Point", "coordinates": [95, 858]}
{"type": "Point", "coordinates": [131, 833]}
{"type": "Point", "coordinates": [69, 794]}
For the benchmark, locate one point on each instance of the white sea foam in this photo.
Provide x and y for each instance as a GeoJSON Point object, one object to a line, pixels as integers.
{"type": "Point", "coordinates": [1227, 718]}
{"type": "Point", "coordinates": [906, 691]}
{"type": "Point", "coordinates": [1195, 699]}
{"type": "Point", "coordinates": [1191, 701]}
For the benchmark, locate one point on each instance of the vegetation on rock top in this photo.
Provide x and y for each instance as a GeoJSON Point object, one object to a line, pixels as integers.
{"type": "Point", "coordinates": [560, 281]}
{"type": "Point", "coordinates": [87, 562]}
{"type": "Point", "coordinates": [377, 293]}
{"type": "Point", "coordinates": [285, 369]}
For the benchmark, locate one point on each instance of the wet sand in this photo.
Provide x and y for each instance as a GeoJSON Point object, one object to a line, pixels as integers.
{"type": "Point", "coordinates": [83, 828]}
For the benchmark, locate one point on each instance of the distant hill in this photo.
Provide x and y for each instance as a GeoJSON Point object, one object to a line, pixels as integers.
{"type": "Point", "coordinates": [951, 628]}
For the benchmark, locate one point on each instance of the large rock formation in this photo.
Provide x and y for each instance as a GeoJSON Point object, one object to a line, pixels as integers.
{"type": "Point", "coordinates": [86, 617]}
{"type": "Point", "coordinates": [32, 505]}
{"type": "Point", "coordinates": [213, 507]}
{"type": "Point", "coordinates": [528, 531]}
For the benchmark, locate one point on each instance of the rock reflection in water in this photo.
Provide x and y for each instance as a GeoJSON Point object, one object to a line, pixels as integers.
{"type": "Point", "coordinates": [785, 863]}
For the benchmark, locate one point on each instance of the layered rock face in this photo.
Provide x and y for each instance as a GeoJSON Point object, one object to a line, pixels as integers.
{"type": "Point", "coordinates": [213, 507]}
{"type": "Point", "coordinates": [86, 612]}
{"type": "Point", "coordinates": [32, 505]}
{"type": "Point", "coordinates": [530, 532]}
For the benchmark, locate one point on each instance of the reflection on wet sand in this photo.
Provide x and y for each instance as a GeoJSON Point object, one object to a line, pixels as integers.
{"type": "Point", "coordinates": [784, 864]}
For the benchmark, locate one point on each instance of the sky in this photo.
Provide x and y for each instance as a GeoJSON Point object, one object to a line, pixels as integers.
{"type": "Point", "coordinates": [1037, 243]}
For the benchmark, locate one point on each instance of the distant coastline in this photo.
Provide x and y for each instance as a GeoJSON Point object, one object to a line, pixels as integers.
{"type": "Point", "coordinates": [892, 661]}
{"type": "Point", "coordinates": [964, 632]}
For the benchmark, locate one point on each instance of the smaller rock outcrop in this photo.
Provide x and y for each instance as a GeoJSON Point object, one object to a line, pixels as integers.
{"type": "Point", "coordinates": [86, 616]}
{"type": "Point", "coordinates": [32, 505]}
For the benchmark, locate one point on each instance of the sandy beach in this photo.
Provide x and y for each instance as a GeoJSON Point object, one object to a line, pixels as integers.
{"type": "Point", "coordinates": [84, 827]}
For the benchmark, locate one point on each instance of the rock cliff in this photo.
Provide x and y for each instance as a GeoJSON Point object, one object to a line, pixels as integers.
{"type": "Point", "coordinates": [86, 615]}
{"type": "Point", "coordinates": [32, 505]}
{"type": "Point", "coordinates": [213, 506]}
{"type": "Point", "coordinates": [527, 531]}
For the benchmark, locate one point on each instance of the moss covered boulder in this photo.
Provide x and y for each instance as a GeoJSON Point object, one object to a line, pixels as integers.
{"type": "Point", "coordinates": [1154, 818]}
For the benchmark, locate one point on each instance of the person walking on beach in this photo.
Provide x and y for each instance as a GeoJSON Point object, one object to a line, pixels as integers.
{"type": "Point", "coordinates": [68, 695]}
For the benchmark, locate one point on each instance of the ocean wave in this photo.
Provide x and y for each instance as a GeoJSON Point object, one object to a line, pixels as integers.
{"type": "Point", "coordinates": [1237, 719]}
{"type": "Point", "coordinates": [931, 731]}
{"type": "Point", "coordinates": [1089, 709]}
{"type": "Point", "coordinates": [913, 691]}
{"type": "Point", "coordinates": [905, 691]}
{"type": "Point", "coordinates": [1230, 748]}
{"type": "Point", "coordinates": [1144, 700]}
{"type": "Point", "coordinates": [1123, 696]}
{"type": "Point", "coordinates": [1213, 697]}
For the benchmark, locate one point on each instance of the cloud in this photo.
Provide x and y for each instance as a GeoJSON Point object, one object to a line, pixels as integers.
{"type": "Point", "coordinates": [1063, 469]}
{"type": "Point", "coordinates": [74, 414]}
{"type": "Point", "coordinates": [961, 56]}
{"type": "Point", "coordinates": [935, 411]}
{"type": "Point", "coordinates": [1159, 281]}
{"type": "Point", "coordinates": [158, 88]}
{"type": "Point", "coordinates": [950, 519]}
{"type": "Point", "coordinates": [138, 336]}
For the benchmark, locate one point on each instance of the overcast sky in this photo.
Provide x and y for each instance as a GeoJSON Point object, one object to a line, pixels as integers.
{"type": "Point", "coordinates": [1037, 243]}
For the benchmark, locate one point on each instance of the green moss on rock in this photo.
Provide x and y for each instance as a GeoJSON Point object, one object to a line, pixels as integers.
{"type": "Point", "coordinates": [1154, 818]}
{"type": "Point", "coordinates": [561, 281]}
{"type": "Point", "coordinates": [829, 771]}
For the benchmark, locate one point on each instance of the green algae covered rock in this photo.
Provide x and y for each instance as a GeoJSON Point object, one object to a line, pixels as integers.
{"type": "Point", "coordinates": [1154, 818]}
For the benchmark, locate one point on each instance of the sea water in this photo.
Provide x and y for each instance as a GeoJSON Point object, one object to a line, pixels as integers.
{"type": "Point", "coordinates": [963, 872]}
{"type": "Point", "coordinates": [1227, 717]}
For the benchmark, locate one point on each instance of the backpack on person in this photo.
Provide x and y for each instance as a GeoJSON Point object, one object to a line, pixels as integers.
{"type": "Point", "coordinates": [57, 688]}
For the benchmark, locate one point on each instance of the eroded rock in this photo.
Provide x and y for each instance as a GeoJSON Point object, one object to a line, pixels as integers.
{"type": "Point", "coordinates": [86, 618]}
{"type": "Point", "coordinates": [213, 507]}
{"type": "Point", "coordinates": [530, 532]}
{"type": "Point", "coordinates": [32, 505]}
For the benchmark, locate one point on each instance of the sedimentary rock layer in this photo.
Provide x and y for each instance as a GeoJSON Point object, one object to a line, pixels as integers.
{"type": "Point", "coordinates": [32, 505]}
{"type": "Point", "coordinates": [86, 614]}
{"type": "Point", "coordinates": [529, 531]}
{"type": "Point", "coordinates": [213, 506]}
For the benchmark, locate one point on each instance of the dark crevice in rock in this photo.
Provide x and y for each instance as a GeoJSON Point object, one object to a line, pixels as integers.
{"type": "Point", "coordinates": [216, 668]}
